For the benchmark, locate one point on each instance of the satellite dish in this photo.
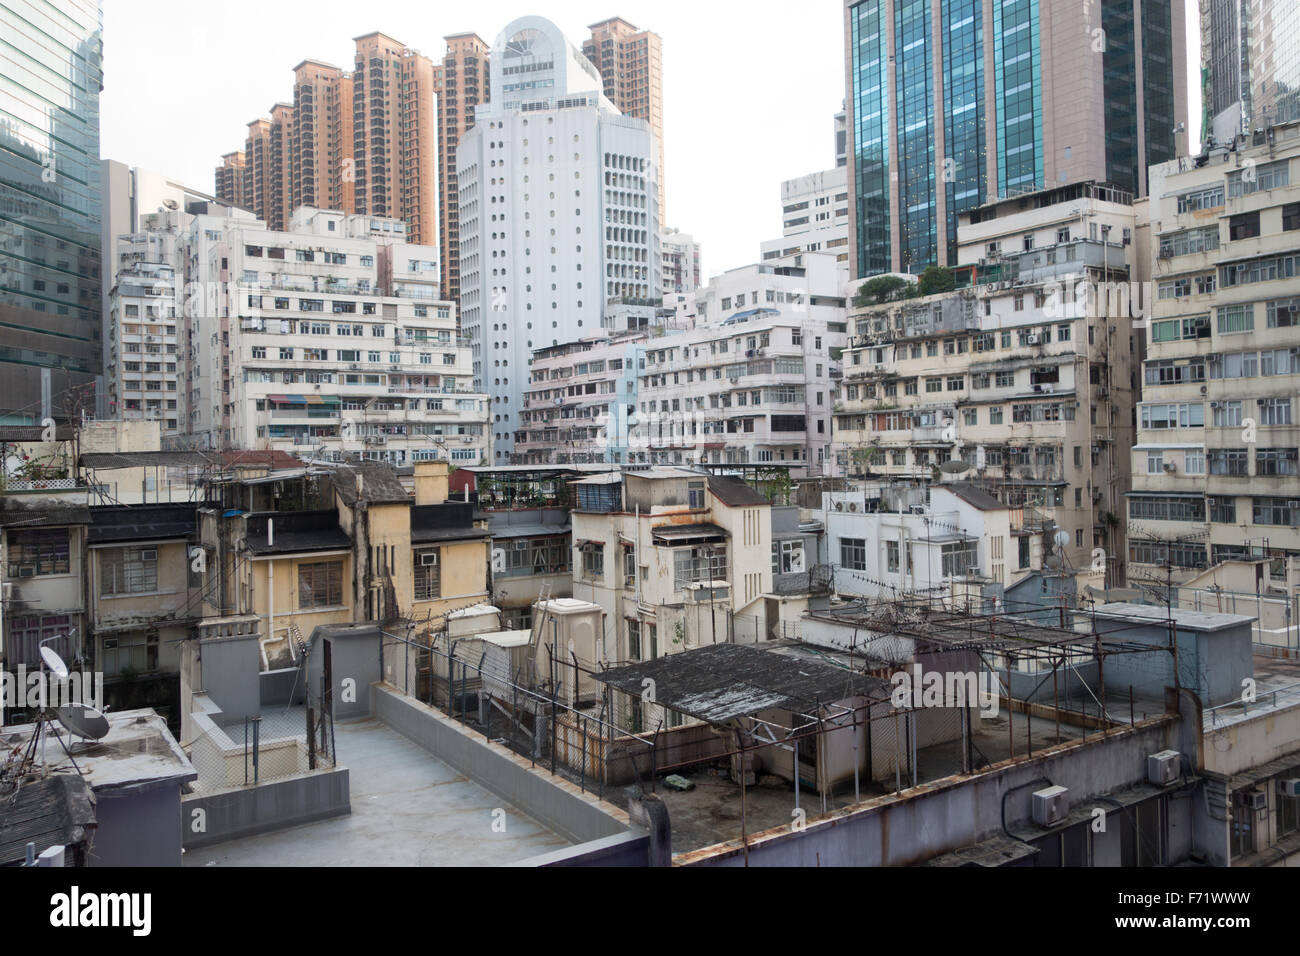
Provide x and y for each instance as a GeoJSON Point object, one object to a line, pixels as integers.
{"type": "Point", "coordinates": [954, 466]}
{"type": "Point", "coordinates": [82, 720]}
{"type": "Point", "coordinates": [1054, 561]}
{"type": "Point", "coordinates": [54, 662]}
{"type": "Point", "coordinates": [1062, 538]}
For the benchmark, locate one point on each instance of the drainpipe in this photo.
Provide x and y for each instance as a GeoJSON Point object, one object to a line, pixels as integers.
{"type": "Point", "coordinates": [270, 595]}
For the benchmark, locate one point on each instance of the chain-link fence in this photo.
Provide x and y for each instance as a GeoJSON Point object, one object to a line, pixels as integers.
{"type": "Point", "coordinates": [566, 722]}
{"type": "Point", "coordinates": [261, 748]}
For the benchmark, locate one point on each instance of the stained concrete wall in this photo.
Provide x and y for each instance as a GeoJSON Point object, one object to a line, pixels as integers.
{"type": "Point", "coordinates": [354, 664]}
{"type": "Point", "coordinates": [230, 668]}
{"type": "Point", "coordinates": [138, 826]}
{"type": "Point", "coordinates": [906, 829]}
{"type": "Point", "coordinates": [625, 849]}
{"type": "Point", "coordinates": [209, 818]}
{"type": "Point", "coordinates": [555, 803]}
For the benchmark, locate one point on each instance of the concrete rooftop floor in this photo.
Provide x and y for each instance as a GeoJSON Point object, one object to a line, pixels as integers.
{"type": "Point", "coordinates": [408, 809]}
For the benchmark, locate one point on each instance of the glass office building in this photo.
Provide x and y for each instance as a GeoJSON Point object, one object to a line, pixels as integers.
{"type": "Point", "coordinates": [50, 292]}
{"type": "Point", "coordinates": [1250, 57]}
{"type": "Point", "coordinates": [956, 103]}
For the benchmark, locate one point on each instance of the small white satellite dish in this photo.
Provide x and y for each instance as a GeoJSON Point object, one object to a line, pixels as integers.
{"type": "Point", "coordinates": [1055, 561]}
{"type": "Point", "coordinates": [82, 720]}
{"type": "Point", "coordinates": [54, 662]}
{"type": "Point", "coordinates": [954, 466]}
{"type": "Point", "coordinates": [1062, 538]}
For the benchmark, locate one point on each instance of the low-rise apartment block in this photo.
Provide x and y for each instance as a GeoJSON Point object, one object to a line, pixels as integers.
{"type": "Point", "coordinates": [581, 401]}
{"type": "Point", "coordinates": [755, 380]}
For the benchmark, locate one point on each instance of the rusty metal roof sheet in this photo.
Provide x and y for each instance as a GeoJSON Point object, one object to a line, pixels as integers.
{"type": "Point", "coordinates": [720, 682]}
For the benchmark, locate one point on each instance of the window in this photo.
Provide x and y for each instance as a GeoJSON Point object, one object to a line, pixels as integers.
{"type": "Point", "coordinates": [428, 574]}
{"type": "Point", "coordinates": [1223, 510]}
{"type": "Point", "coordinates": [1194, 461]}
{"type": "Point", "coordinates": [634, 640]}
{"type": "Point", "coordinates": [1258, 177]}
{"type": "Point", "coordinates": [891, 557]}
{"type": "Point", "coordinates": [1276, 511]}
{"type": "Point", "coordinates": [1155, 462]}
{"type": "Point", "coordinates": [39, 552]}
{"type": "Point", "coordinates": [1166, 508]}
{"type": "Point", "coordinates": [320, 584]}
{"type": "Point", "coordinates": [1276, 461]}
{"type": "Point", "coordinates": [1243, 226]}
{"type": "Point", "coordinates": [1210, 198]}
{"type": "Point", "coordinates": [853, 554]}
{"type": "Point", "coordinates": [1226, 414]}
{"type": "Point", "coordinates": [1283, 313]}
{"type": "Point", "coordinates": [1227, 462]}
{"type": "Point", "coordinates": [128, 570]}
{"type": "Point", "coordinates": [1274, 411]}
{"type": "Point", "coordinates": [959, 557]}
{"type": "Point", "coordinates": [787, 557]}
{"type": "Point", "coordinates": [1236, 318]}
{"type": "Point", "coordinates": [1023, 551]}
{"type": "Point", "coordinates": [695, 494]}
{"type": "Point", "coordinates": [1177, 554]}
{"type": "Point", "coordinates": [593, 561]}
{"type": "Point", "coordinates": [1291, 217]}
{"type": "Point", "coordinates": [707, 563]}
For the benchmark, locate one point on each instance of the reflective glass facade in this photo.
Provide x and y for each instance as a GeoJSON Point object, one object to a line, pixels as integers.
{"type": "Point", "coordinates": [870, 135]}
{"type": "Point", "coordinates": [1018, 77]}
{"type": "Point", "coordinates": [914, 96]}
{"type": "Point", "coordinates": [964, 169]}
{"type": "Point", "coordinates": [50, 295]}
{"type": "Point", "coordinates": [1119, 81]}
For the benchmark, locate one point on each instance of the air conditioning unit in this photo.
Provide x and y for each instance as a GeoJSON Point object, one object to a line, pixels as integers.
{"type": "Point", "coordinates": [1215, 405]}
{"type": "Point", "coordinates": [1164, 768]}
{"type": "Point", "coordinates": [1051, 805]}
{"type": "Point", "coordinates": [1169, 468]}
{"type": "Point", "coordinates": [1032, 338]}
{"type": "Point", "coordinates": [355, 367]}
{"type": "Point", "coordinates": [521, 545]}
{"type": "Point", "coordinates": [1257, 800]}
{"type": "Point", "coordinates": [973, 571]}
{"type": "Point", "coordinates": [853, 506]}
{"type": "Point", "coordinates": [428, 558]}
{"type": "Point", "coordinates": [1289, 788]}
{"type": "Point", "coordinates": [839, 506]}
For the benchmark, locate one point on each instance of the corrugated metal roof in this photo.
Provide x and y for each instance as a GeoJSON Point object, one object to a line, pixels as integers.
{"type": "Point", "coordinates": [720, 682]}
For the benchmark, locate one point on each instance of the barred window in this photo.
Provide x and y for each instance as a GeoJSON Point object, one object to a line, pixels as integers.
{"type": "Point", "coordinates": [1276, 511]}
{"type": "Point", "coordinates": [1177, 554]}
{"type": "Point", "coordinates": [39, 552]}
{"type": "Point", "coordinates": [320, 584]}
{"type": "Point", "coordinates": [699, 564]}
{"type": "Point", "coordinates": [428, 574]}
{"type": "Point", "coordinates": [1167, 509]}
{"type": "Point", "coordinates": [128, 570]}
{"type": "Point", "coordinates": [1276, 461]}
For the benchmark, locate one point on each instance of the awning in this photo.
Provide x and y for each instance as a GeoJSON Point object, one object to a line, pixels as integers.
{"type": "Point", "coordinates": [304, 399]}
{"type": "Point", "coordinates": [683, 533]}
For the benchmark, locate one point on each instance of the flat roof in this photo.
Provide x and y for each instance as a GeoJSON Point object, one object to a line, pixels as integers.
{"type": "Point", "coordinates": [1157, 614]}
{"type": "Point", "coordinates": [138, 749]}
{"type": "Point", "coordinates": [720, 682]}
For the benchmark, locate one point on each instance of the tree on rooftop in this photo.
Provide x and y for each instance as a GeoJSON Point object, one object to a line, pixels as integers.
{"type": "Point", "coordinates": [880, 290]}
{"type": "Point", "coordinates": [935, 279]}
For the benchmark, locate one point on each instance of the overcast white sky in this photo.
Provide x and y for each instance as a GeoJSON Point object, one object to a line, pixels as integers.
{"type": "Point", "coordinates": [749, 89]}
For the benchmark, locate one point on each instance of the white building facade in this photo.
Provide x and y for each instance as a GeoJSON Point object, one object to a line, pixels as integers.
{"type": "Point", "coordinates": [325, 342]}
{"type": "Point", "coordinates": [755, 381]}
{"type": "Point", "coordinates": [559, 220]}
